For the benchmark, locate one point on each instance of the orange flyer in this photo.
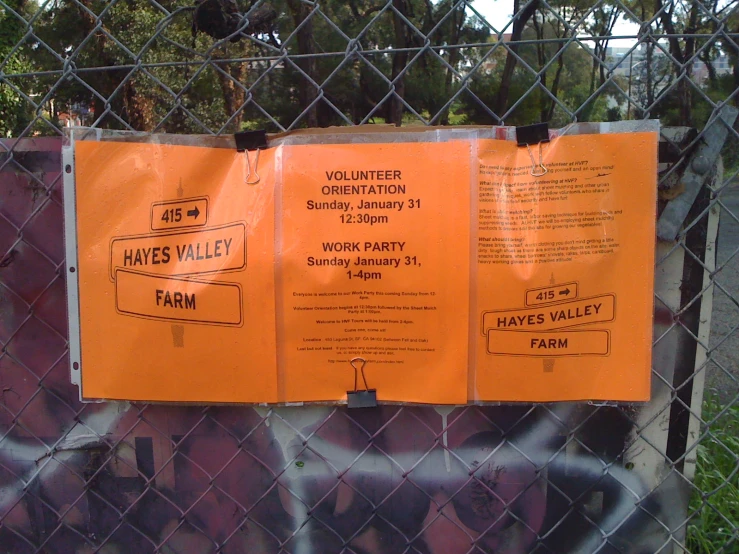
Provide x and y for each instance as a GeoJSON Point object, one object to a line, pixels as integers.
{"type": "Point", "coordinates": [564, 272]}
{"type": "Point", "coordinates": [431, 271]}
{"type": "Point", "coordinates": [375, 264]}
{"type": "Point", "coordinates": [175, 271]}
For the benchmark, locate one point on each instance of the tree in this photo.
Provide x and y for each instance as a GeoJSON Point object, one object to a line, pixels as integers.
{"type": "Point", "coordinates": [691, 30]}
{"type": "Point", "coordinates": [16, 112]}
{"type": "Point", "coordinates": [137, 65]}
{"type": "Point", "coordinates": [561, 78]}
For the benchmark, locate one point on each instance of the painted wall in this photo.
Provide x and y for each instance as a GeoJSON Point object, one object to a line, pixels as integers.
{"type": "Point", "coordinates": [121, 478]}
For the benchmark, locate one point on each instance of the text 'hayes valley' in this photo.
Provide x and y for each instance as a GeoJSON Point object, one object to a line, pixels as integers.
{"type": "Point", "coordinates": [197, 251]}
{"type": "Point", "coordinates": [554, 315]}
{"type": "Point", "coordinates": [562, 314]}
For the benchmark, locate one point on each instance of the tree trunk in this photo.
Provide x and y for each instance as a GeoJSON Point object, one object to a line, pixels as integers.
{"type": "Point", "coordinates": [139, 107]}
{"type": "Point", "coordinates": [519, 25]}
{"type": "Point", "coordinates": [307, 91]}
{"type": "Point", "coordinates": [457, 23]}
{"type": "Point", "coordinates": [555, 84]}
{"type": "Point", "coordinates": [733, 54]}
{"type": "Point", "coordinates": [683, 88]}
{"type": "Point", "coordinates": [400, 59]}
{"type": "Point", "coordinates": [650, 86]}
{"type": "Point", "coordinates": [603, 30]}
{"type": "Point", "coordinates": [98, 107]}
{"type": "Point", "coordinates": [705, 57]}
{"type": "Point", "coordinates": [370, 103]}
{"type": "Point", "coordinates": [686, 93]}
{"type": "Point", "coordinates": [541, 58]}
{"type": "Point", "coordinates": [607, 32]}
{"type": "Point", "coordinates": [233, 95]}
{"type": "Point", "coordinates": [102, 82]}
{"type": "Point", "coordinates": [588, 106]}
{"type": "Point", "coordinates": [601, 53]}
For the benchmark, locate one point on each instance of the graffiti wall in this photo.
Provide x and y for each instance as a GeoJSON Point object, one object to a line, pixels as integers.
{"type": "Point", "coordinates": [120, 477]}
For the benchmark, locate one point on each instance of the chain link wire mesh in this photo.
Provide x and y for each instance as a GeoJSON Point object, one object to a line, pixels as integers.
{"type": "Point", "coordinates": [581, 477]}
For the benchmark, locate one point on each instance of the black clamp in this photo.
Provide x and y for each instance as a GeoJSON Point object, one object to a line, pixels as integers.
{"type": "Point", "coordinates": [534, 134]}
{"type": "Point", "coordinates": [251, 140]}
{"type": "Point", "coordinates": [356, 398]}
{"type": "Point", "coordinates": [247, 141]}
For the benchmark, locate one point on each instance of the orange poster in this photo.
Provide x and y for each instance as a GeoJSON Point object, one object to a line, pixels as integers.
{"type": "Point", "coordinates": [564, 272]}
{"type": "Point", "coordinates": [374, 263]}
{"type": "Point", "coordinates": [451, 271]}
{"type": "Point", "coordinates": [175, 258]}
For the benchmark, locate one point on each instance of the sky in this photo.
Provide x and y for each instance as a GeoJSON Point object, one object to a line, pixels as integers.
{"type": "Point", "coordinates": [499, 12]}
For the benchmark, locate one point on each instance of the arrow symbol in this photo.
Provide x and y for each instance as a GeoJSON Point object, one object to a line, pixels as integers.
{"type": "Point", "coordinates": [565, 292]}
{"type": "Point", "coordinates": [195, 213]}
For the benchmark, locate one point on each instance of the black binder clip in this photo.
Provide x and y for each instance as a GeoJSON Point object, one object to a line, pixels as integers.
{"type": "Point", "coordinates": [366, 398]}
{"type": "Point", "coordinates": [247, 141]}
{"type": "Point", "coordinates": [534, 134]}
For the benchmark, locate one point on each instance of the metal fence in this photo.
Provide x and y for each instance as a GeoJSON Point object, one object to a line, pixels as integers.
{"type": "Point", "coordinates": [576, 477]}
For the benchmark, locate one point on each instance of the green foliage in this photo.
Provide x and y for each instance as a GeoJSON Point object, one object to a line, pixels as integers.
{"type": "Point", "coordinates": [716, 496]}
{"type": "Point", "coordinates": [16, 113]}
{"type": "Point", "coordinates": [573, 87]}
{"type": "Point", "coordinates": [137, 68]}
{"type": "Point", "coordinates": [209, 94]}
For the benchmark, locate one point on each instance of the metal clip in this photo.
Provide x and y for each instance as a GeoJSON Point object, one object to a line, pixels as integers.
{"type": "Point", "coordinates": [247, 168]}
{"type": "Point", "coordinates": [535, 171]}
{"type": "Point", "coordinates": [366, 398]}
{"type": "Point", "coordinates": [246, 141]}
{"type": "Point", "coordinates": [534, 134]}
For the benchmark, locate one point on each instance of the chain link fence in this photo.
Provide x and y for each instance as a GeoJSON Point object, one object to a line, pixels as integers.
{"type": "Point", "coordinates": [556, 478]}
